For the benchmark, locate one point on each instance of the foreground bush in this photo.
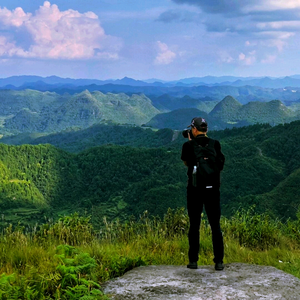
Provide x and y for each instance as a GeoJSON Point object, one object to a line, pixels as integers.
{"type": "Point", "coordinates": [68, 259]}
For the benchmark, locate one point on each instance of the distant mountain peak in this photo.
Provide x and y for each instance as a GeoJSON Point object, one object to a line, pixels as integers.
{"type": "Point", "coordinates": [228, 101]}
{"type": "Point", "coordinates": [226, 109]}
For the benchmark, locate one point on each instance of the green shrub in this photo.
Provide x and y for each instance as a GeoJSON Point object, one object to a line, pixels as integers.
{"type": "Point", "coordinates": [256, 231]}
{"type": "Point", "coordinates": [75, 270]}
{"type": "Point", "coordinates": [292, 228]}
{"type": "Point", "coordinates": [174, 223]}
{"type": "Point", "coordinates": [73, 230]}
{"type": "Point", "coordinates": [122, 264]}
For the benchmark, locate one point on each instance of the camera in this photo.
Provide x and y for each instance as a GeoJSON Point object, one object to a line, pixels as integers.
{"type": "Point", "coordinates": [186, 132]}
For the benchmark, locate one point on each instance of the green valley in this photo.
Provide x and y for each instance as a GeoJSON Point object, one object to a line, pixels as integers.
{"type": "Point", "coordinates": [118, 181]}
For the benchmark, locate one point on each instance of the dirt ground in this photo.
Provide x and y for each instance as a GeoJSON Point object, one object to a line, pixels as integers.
{"type": "Point", "coordinates": [236, 281]}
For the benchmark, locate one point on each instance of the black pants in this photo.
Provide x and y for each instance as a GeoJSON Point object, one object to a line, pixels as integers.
{"type": "Point", "coordinates": [197, 198]}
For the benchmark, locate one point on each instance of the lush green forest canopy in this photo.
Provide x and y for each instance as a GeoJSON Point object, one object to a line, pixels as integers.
{"type": "Point", "coordinates": [43, 181]}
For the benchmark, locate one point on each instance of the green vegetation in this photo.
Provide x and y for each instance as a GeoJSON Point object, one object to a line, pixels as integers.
{"type": "Point", "coordinates": [35, 112]}
{"type": "Point", "coordinates": [110, 181]}
{"type": "Point", "coordinates": [76, 140]}
{"type": "Point", "coordinates": [226, 110]}
{"type": "Point", "coordinates": [68, 259]}
{"type": "Point", "coordinates": [116, 181]}
{"type": "Point", "coordinates": [86, 205]}
{"type": "Point", "coordinates": [228, 113]}
{"type": "Point", "coordinates": [44, 112]}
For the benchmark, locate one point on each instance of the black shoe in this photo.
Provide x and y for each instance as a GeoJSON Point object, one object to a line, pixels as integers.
{"type": "Point", "coordinates": [219, 266]}
{"type": "Point", "coordinates": [192, 265]}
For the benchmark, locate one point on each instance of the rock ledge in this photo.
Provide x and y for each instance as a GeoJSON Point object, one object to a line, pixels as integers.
{"type": "Point", "coordinates": [237, 281]}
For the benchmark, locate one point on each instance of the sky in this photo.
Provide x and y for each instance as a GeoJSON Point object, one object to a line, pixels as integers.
{"type": "Point", "coordinates": [144, 39]}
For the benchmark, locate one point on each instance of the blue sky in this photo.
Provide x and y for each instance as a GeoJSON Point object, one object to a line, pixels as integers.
{"type": "Point", "coordinates": [165, 39]}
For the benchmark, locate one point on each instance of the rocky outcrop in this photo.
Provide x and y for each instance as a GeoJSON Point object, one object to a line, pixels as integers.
{"type": "Point", "coordinates": [236, 281]}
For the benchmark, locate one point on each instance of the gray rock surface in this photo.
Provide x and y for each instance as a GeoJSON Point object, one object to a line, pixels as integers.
{"type": "Point", "coordinates": [236, 281]}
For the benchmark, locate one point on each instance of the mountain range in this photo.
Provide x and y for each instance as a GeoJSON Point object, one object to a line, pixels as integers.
{"type": "Point", "coordinates": [30, 111]}
{"type": "Point", "coordinates": [228, 113]}
{"type": "Point", "coordinates": [34, 111]}
{"type": "Point", "coordinates": [266, 82]}
{"type": "Point", "coordinates": [245, 90]}
{"type": "Point", "coordinates": [244, 94]}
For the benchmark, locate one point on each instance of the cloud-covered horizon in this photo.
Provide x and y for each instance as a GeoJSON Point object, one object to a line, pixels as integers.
{"type": "Point", "coordinates": [56, 34]}
{"type": "Point", "coordinates": [165, 39]}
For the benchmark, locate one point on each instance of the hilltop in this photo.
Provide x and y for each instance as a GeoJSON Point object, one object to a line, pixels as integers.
{"type": "Point", "coordinates": [229, 113]}
{"type": "Point", "coordinates": [34, 111]}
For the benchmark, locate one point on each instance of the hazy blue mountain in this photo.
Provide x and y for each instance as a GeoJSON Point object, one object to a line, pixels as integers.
{"type": "Point", "coordinates": [284, 89]}
{"type": "Point", "coordinates": [18, 81]}
{"type": "Point", "coordinates": [26, 80]}
{"type": "Point", "coordinates": [266, 82]}
{"type": "Point", "coordinates": [210, 80]}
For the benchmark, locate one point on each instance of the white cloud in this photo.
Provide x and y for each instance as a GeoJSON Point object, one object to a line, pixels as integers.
{"type": "Point", "coordinates": [225, 57]}
{"type": "Point", "coordinates": [9, 48]}
{"type": "Point", "coordinates": [165, 56]}
{"type": "Point", "coordinates": [13, 18]}
{"type": "Point", "coordinates": [269, 59]}
{"type": "Point", "coordinates": [271, 5]}
{"type": "Point", "coordinates": [279, 25]}
{"type": "Point", "coordinates": [242, 56]}
{"type": "Point", "coordinates": [275, 39]}
{"type": "Point", "coordinates": [249, 59]}
{"type": "Point", "coordinates": [59, 34]}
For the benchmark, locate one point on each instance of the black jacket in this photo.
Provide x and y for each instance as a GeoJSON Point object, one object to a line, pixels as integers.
{"type": "Point", "coordinates": [189, 157]}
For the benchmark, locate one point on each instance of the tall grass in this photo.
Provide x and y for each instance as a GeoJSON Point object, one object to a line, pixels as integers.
{"type": "Point", "coordinates": [68, 259]}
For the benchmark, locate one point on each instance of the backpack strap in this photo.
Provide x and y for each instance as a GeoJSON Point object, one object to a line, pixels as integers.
{"type": "Point", "coordinates": [211, 143]}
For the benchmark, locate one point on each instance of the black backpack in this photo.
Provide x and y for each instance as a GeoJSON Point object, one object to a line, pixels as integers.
{"type": "Point", "coordinates": [207, 172]}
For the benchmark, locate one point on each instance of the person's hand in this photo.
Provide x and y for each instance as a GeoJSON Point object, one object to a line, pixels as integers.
{"type": "Point", "coordinates": [189, 136]}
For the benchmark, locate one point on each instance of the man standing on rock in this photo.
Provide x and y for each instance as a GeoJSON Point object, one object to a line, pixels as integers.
{"type": "Point", "coordinates": [203, 189]}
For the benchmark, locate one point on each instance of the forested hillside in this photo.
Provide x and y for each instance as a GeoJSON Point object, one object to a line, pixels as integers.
{"type": "Point", "coordinates": [114, 181]}
{"type": "Point", "coordinates": [230, 113]}
{"type": "Point", "coordinates": [262, 168]}
{"type": "Point", "coordinates": [76, 140]}
{"type": "Point", "coordinates": [33, 112]}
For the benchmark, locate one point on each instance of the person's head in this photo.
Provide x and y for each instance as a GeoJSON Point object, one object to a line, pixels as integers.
{"type": "Point", "coordinates": [198, 126]}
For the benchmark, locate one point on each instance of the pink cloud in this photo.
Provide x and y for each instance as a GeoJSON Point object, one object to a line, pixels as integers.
{"type": "Point", "coordinates": [13, 18]}
{"type": "Point", "coordinates": [61, 34]}
{"type": "Point", "coordinates": [249, 59]}
{"type": "Point", "coordinates": [165, 56]}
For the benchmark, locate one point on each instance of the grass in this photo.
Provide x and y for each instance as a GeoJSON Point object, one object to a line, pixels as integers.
{"type": "Point", "coordinates": [69, 260]}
